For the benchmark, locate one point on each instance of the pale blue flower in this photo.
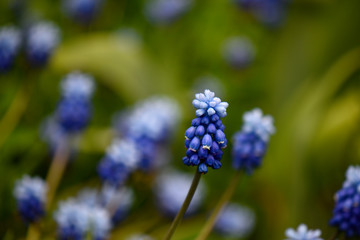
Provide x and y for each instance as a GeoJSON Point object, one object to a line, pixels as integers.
{"type": "Point", "coordinates": [77, 85]}
{"type": "Point", "coordinates": [235, 221]}
{"type": "Point", "coordinates": [256, 122]}
{"type": "Point", "coordinates": [10, 39]}
{"type": "Point", "coordinates": [352, 176]}
{"type": "Point", "coordinates": [239, 52]}
{"type": "Point", "coordinates": [302, 233]}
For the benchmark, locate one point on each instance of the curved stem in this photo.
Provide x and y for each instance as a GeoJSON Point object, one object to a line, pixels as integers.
{"type": "Point", "coordinates": [206, 230]}
{"type": "Point", "coordinates": [15, 111]}
{"type": "Point", "coordinates": [56, 170]}
{"type": "Point", "coordinates": [184, 207]}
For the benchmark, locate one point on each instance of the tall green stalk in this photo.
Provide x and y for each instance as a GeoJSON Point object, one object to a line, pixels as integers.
{"type": "Point", "coordinates": [206, 230]}
{"type": "Point", "coordinates": [184, 207]}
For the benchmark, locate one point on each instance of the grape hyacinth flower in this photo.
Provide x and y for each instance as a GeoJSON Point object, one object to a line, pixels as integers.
{"type": "Point", "coordinates": [74, 109]}
{"type": "Point", "coordinates": [268, 12]}
{"type": "Point", "coordinates": [302, 233]}
{"type": "Point", "coordinates": [205, 138]}
{"type": "Point", "coordinates": [82, 11]}
{"type": "Point", "coordinates": [239, 52]}
{"type": "Point", "coordinates": [235, 221]}
{"type": "Point", "coordinates": [10, 39]}
{"type": "Point", "coordinates": [41, 41]}
{"type": "Point", "coordinates": [171, 189]}
{"type": "Point", "coordinates": [30, 194]}
{"type": "Point", "coordinates": [250, 144]}
{"type": "Point", "coordinates": [121, 159]}
{"type": "Point", "coordinates": [346, 213]}
{"type": "Point", "coordinates": [150, 125]}
{"type": "Point", "coordinates": [76, 220]}
{"type": "Point", "coordinates": [164, 12]}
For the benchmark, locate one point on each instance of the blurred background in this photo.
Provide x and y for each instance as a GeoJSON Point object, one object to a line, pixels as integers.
{"type": "Point", "coordinates": [297, 60]}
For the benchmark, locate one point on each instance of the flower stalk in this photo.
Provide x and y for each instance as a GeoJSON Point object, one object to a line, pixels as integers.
{"type": "Point", "coordinates": [206, 230]}
{"type": "Point", "coordinates": [185, 205]}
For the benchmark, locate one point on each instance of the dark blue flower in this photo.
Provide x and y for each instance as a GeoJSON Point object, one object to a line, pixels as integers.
{"type": "Point", "coordinates": [205, 138]}
{"type": "Point", "coordinates": [346, 214]}
{"type": "Point", "coordinates": [82, 11]}
{"type": "Point", "coordinates": [9, 45]}
{"type": "Point", "coordinates": [41, 41]}
{"type": "Point", "coordinates": [239, 52]}
{"type": "Point", "coordinates": [250, 144]}
{"type": "Point", "coordinates": [166, 11]}
{"type": "Point", "coordinates": [121, 159]}
{"type": "Point", "coordinates": [30, 194]}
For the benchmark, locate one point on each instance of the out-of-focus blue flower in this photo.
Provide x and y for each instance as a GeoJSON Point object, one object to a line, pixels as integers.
{"type": "Point", "coordinates": [121, 159]}
{"type": "Point", "coordinates": [268, 12]}
{"type": "Point", "coordinates": [150, 124]}
{"type": "Point", "coordinates": [171, 190]}
{"type": "Point", "coordinates": [239, 52]}
{"type": "Point", "coordinates": [205, 138]}
{"type": "Point", "coordinates": [250, 144]}
{"type": "Point", "coordinates": [52, 133]}
{"type": "Point", "coordinates": [235, 221]}
{"type": "Point", "coordinates": [30, 194]}
{"type": "Point", "coordinates": [119, 201]}
{"type": "Point", "coordinates": [346, 213]}
{"type": "Point", "coordinates": [76, 219]}
{"type": "Point", "coordinates": [10, 39]}
{"type": "Point", "coordinates": [41, 41]}
{"type": "Point", "coordinates": [74, 109]}
{"type": "Point", "coordinates": [303, 233]}
{"type": "Point", "coordinates": [77, 85]}
{"type": "Point", "coordinates": [82, 11]}
{"type": "Point", "coordinates": [100, 223]}
{"type": "Point", "coordinates": [166, 11]}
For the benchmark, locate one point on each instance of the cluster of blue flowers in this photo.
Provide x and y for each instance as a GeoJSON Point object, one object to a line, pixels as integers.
{"type": "Point", "coordinates": [82, 11]}
{"type": "Point", "coordinates": [250, 144]}
{"type": "Point", "coordinates": [303, 233]}
{"type": "Point", "coordinates": [150, 124]}
{"type": "Point", "coordinates": [122, 157]}
{"type": "Point", "coordinates": [30, 194]}
{"type": "Point", "coordinates": [346, 214]}
{"type": "Point", "coordinates": [77, 220]}
{"type": "Point", "coordinates": [166, 11]}
{"type": "Point", "coordinates": [268, 12]}
{"type": "Point", "coordinates": [239, 52]}
{"type": "Point", "coordinates": [10, 39]}
{"type": "Point", "coordinates": [171, 189]}
{"type": "Point", "coordinates": [41, 40]}
{"type": "Point", "coordinates": [205, 138]}
{"type": "Point", "coordinates": [235, 221]}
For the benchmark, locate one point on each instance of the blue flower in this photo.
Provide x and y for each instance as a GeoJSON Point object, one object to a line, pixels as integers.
{"type": "Point", "coordinates": [170, 192]}
{"type": "Point", "coordinates": [205, 138]}
{"type": "Point", "coordinates": [150, 124]}
{"type": "Point", "coordinates": [121, 159]}
{"type": "Point", "coordinates": [118, 200]}
{"type": "Point", "coordinates": [235, 221]}
{"type": "Point", "coordinates": [82, 11]}
{"type": "Point", "coordinates": [74, 109]}
{"type": "Point", "coordinates": [10, 39]}
{"type": "Point", "coordinates": [52, 133]}
{"type": "Point", "coordinates": [346, 213]}
{"type": "Point", "coordinates": [76, 220]}
{"type": "Point", "coordinates": [30, 194]}
{"type": "Point", "coordinates": [41, 41]}
{"type": "Point", "coordinates": [303, 233]}
{"type": "Point", "coordinates": [250, 144]}
{"type": "Point", "coordinates": [268, 12]}
{"type": "Point", "coordinates": [239, 52]}
{"type": "Point", "coordinates": [166, 11]}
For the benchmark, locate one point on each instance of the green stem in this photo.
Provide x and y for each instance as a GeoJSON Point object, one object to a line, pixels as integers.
{"type": "Point", "coordinates": [184, 207]}
{"type": "Point", "coordinates": [56, 170]}
{"type": "Point", "coordinates": [206, 230]}
{"type": "Point", "coordinates": [33, 232]}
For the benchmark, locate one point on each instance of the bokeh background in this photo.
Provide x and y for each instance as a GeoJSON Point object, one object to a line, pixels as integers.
{"type": "Point", "coordinates": [305, 73]}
